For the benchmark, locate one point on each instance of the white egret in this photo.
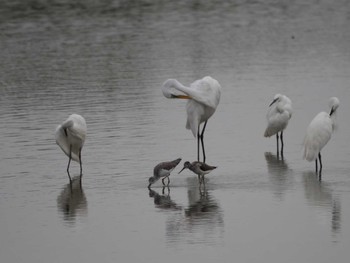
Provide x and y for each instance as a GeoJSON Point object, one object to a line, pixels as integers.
{"type": "Point", "coordinates": [203, 97]}
{"type": "Point", "coordinates": [163, 170]}
{"type": "Point", "coordinates": [319, 133]}
{"type": "Point", "coordinates": [278, 115]}
{"type": "Point", "coordinates": [70, 136]}
{"type": "Point", "coordinates": [198, 168]}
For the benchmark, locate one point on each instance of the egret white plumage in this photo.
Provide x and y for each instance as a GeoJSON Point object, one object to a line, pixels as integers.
{"type": "Point", "coordinates": [163, 170]}
{"type": "Point", "coordinates": [319, 133]}
{"type": "Point", "coordinates": [70, 136]}
{"type": "Point", "coordinates": [203, 98]}
{"type": "Point", "coordinates": [198, 168]}
{"type": "Point", "coordinates": [278, 115]}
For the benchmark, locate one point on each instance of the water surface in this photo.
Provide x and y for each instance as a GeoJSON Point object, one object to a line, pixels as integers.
{"type": "Point", "coordinates": [106, 60]}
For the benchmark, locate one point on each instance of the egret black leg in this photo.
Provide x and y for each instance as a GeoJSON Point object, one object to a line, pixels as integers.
{"type": "Point", "coordinates": [198, 138]}
{"type": "Point", "coordinates": [70, 158]}
{"type": "Point", "coordinates": [320, 160]}
{"type": "Point", "coordinates": [282, 144]}
{"type": "Point", "coordinates": [316, 165]}
{"type": "Point", "coordinates": [81, 165]}
{"type": "Point", "coordinates": [202, 140]}
{"type": "Point", "coordinates": [278, 148]}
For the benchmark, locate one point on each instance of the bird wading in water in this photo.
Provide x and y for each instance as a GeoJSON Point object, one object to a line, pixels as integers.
{"type": "Point", "coordinates": [203, 97]}
{"type": "Point", "coordinates": [318, 134]}
{"type": "Point", "coordinates": [163, 170]}
{"type": "Point", "coordinates": [70, 136]}
{"type": "Point", "coordinates": [278, 115]}
{"type": "Point", "coordinates": [198, 168]}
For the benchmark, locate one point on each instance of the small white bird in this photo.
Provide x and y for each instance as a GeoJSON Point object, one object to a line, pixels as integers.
{"type": "Point", "coordinates": [279, 113]}
{"type": "Point", "coordinates": [319, 133]}
{"type": "Point", "coordinates": [70, 136]}
{"type": "Point", "coordinates": [203, 97]}
{"type": "Point", "coordinates": [198, 168]}
{"type": "Point", "coordinates": [163, 170]}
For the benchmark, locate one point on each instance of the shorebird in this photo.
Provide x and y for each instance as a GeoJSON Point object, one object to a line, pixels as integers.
{"type": "Point", "coordinates": [163, 170]}
{"type": "Point", "coordinates": [203, 97]}
{"type": "Point", "coordinates": [319, 132]}
{"type": "Point", "coordinates": [278, 116]}
{"type": "Point", "coordinates": [70, 136]}
{"type": "Point", "coordinates": [198, 168]}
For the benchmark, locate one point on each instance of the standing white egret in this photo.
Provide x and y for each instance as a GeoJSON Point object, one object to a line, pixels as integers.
{"type": "Point", "coordinates": [278, 116]}
{"type": "Point", "coordinates": [70, 136]}
{"type": "Point", "coordinates": [319, 133]}
{"type": "Point", "coordinates": [203, 97]}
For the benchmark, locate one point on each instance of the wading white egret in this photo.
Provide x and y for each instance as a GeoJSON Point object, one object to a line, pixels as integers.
{"type": "Point", "coordinates": [319, 133]}
{"type": "Point", "coordinates": [70, 136]}
{"type": "Point", "coordinates": [203, 97]}
{"type": "Point", "coordinates": [278, 115]}
{"type": "Point", "coordinates": [163, 170]}
{"type": "Point", "coordinates": [198, 168]}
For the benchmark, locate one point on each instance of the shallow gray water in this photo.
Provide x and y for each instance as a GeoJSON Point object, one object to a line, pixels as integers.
{"type": "Point", "coordinates": [106, 60]}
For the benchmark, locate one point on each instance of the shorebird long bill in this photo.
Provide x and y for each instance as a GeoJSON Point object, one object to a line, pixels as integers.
{"type": "Point", "coordinates": [182, 169]}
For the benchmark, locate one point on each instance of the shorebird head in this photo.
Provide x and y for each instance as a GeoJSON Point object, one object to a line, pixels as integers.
{"type": "Point", "coordinates": [151, 181]}
{"type": "Point", "coordinates": [187, 165]}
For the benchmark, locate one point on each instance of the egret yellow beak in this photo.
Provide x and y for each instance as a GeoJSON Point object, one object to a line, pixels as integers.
{"type": "Point", "coordinates": [180, 97]}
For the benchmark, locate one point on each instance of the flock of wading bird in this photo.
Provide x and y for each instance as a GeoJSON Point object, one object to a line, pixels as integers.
{"type": "Point", "coordinates": [203, 97]}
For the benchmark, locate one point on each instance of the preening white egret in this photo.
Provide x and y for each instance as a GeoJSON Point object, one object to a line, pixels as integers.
{"type": "Point", "coordinates": [319, 133]}
{"type": "Point", "coordinates": [278, 115]}
{"type": "Point", "coordinates": [203, 97]}
{"type": "Point", "coordinates": [70, 136]}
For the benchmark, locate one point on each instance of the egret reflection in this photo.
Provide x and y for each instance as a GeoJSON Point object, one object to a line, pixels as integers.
{"type": "Point", "coordinates": [278, 171]}
{"type": "Point", "coordinates": [72, 201]}
{"type": "Point", "coordinates": [320, 196]}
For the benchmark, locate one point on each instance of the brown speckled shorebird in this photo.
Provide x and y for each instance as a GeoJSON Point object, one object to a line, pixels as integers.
{"type": "Point", "coordinates": [198, 168]}
{"type": "Point", "coordinates": [163, 170]}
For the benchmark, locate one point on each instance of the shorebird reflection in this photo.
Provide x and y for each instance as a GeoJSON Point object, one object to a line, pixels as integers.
{"type": "Point", "coordinates": [163, 200]}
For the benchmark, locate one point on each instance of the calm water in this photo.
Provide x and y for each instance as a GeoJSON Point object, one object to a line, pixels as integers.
{"type": "Point", "coordinates": [107, 60]}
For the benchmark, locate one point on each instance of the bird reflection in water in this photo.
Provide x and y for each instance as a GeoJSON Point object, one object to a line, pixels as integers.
{"type": "Point", "coordinates": [202, 220]}
{"type": "Point", "coordinates": [278, 171]}
{"type": "Point", "coordinates": [72, 201]}
{"type": "Point", "coordinates": [200, 203]}
{"type": "Point", "coordinates": [318, 195]}
{"type": "Point", "coordinates": [163, 200]}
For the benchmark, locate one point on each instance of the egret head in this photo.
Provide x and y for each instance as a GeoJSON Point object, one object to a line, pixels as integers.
{"type": "Point", "coordinates": [170, 92]}
{"type": "Point", "coordinates": [187, 165]}
{"type": "Point", "coordinates": [276, 98]}
{"type": "Point", "coordinates": [333, 104]}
